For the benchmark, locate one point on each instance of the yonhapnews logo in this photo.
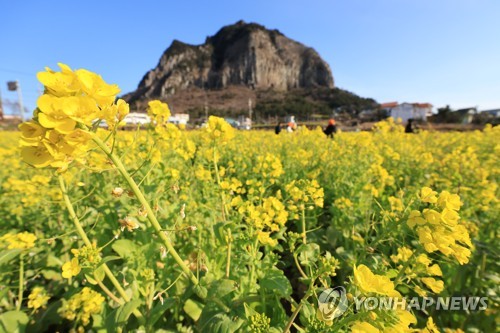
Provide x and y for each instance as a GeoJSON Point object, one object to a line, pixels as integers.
{"type": "Point", "coordinates": [332, 303]}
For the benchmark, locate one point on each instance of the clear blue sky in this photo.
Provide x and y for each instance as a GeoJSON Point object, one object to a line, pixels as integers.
{"type": "Point", "coordinates": [436, 51]}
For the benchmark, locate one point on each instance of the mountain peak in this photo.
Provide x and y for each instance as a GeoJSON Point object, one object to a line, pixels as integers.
{"type": "Point", "coordinates": [240, 54]}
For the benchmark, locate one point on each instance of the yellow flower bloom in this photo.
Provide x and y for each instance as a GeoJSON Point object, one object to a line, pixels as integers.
{"type": "Point", "coordinates": [431, 216]}
{"type": "Point", "coordinates": [396, 204]}
{"type": "Point", "coordinates": [403, 255]}
{"type": "Point", "coordinates": [450, 217]}
{"type": "Point", "coordinates": [430, 327]}
{"type": "Point", "coordinates": [37, 298]}
{"type": "Point", "coordinates": [369, 282]}
{"type": "Point", "coordinates": [94, 86]}
{"type": "Point", "coordinates": [158, 112]}
{"type": "Point", "coordinates": [82, 305]}
{"type": "Point", "coordinates": [450, 201]}
{"type": "Point", "coordinates": [38, 156]}
{"type": "Point", "coordinates": [363, 327]}
{"type": "Point", "coordinates": [22, 240]}
{"type": "Point", "coordinates": [71, 268]}
{"type": "Point", "coordinates": [219, 130]}
{"type": "Point", "coordinates": [415, 218]}
{"type": "Point", "coordinates": [265, 239]}
{"type": "Point", "coordinates": [428, 195]}
{"type": "Point", "coordinates": [436, 286]}
{"type": "Point", "coordinates": [62, 83]}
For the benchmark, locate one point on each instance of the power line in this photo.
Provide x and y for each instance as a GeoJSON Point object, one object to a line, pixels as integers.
{"type": "Point", "coordinates": [16, 72]}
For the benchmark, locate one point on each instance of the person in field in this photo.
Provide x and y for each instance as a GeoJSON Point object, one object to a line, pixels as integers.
{"type": "Point", "coordinates": [331, 129]}
{"type": "Point", "coordinates": [409, 127]}
{"type": "Point", "coordinates": [277, 129]}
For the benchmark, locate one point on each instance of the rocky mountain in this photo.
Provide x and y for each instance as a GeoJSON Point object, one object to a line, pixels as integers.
{"type": "Point", "coordinates": [246, 65]}
{"type": "Point", "coordinates": [242, 54]}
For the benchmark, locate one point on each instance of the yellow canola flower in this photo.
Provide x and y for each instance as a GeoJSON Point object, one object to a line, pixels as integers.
{"type": "Point", "coordinates": [94, 86]}
{"type": "Point", "coordinates": [436, 286]}
{"type": "Point", "coordinates": [415, 218]}
{"type": "Point", "coordinates": [431, 327]}
{"type": "Point", "coordinates": [405, 319]}
{"type": "Point", "coordinates": [396, 204]}
{"type": "Point", "coordinates": [450, 201]}
{"type": "Point", "coordinates": [363, 327]}
{"type": "Point", "coordinates": [37, 298]}
{"type": "Point", "coordinates": [82, 305]}
{"type": "Point", "coordinates": [219, 130]}
{"type": "Point", "coordinates": [428, 195]}
{"type": "Point", "coordinates": [403, 255]}
{"type": "Point", "coordinates": [265, 239]}
{"type": "Point", "coordinates": [71, 268]}
{"type": "Point", "coordinates": [369, 283]}
{"type": "Point", "coordinates": [71, 104]}
{"type": "Point", "coordinates": [159, 112]}
{"type": "Point", "coordinates": [22, 240]}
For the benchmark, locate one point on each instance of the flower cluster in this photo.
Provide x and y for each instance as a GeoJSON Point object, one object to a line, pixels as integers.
{"type": "Point", "coordinates": [23, 240]}
{"type": "Point", "coordinates": [380, 178]}
{"type": "Point", "coordinates": [72, 102]}
{"type": "Point", "coordinates": [304, 193]}
{"type": "Point", "coordinates": [37, 298]}
{"type": "Point", "coordinates": [438, 227]}
{"type": "Point", "coordinates": [219, 130]}
{"type": "Point", "coordinates": [421, 267]}
{"type": "Point", "coordinates": [266, 218]}
{"type": "Point", "coordinates": [370, 283]}
{"type": "Point", "coordinates": [81, 306]}
{"type": "Point", "coordinates": [159, 112]}
{"type": "Point", "coordinates": [86, 257]}
{"type": "Point", "coordinates": [268, 166]}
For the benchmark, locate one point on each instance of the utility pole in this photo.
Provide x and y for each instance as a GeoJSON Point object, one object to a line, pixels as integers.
{"type": "Point", "coordinates": [15, 86]}
{"type": "Point", "coordinates": [250, 111]}
{"type": "Point", "coordinates": [1, 106]}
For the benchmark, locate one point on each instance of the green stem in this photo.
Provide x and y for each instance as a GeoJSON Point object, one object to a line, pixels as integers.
{"type": "Point", "coordinates": [109, 293]}
{"type": "Point", "coordinates": [86, 240]}
{"type": "Point", "coordinates": [403, 269]}
{"type": "Point", "coordinates": [21, 283]}
{"type": "Point", "coordinates": [301, 271]}
{"type": "Point", "coordinates": [223, 197]}
{"type": "Point", "coordinates": [304, 234]}
{"type": "Point", "coordinates": [292, 318]}
{"type": "Point", "coordinates": [150, 214]}
{"type": "Point", "coordinates": [228, 262]}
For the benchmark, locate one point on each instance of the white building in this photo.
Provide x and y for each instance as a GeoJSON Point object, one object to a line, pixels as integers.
{"type": "Point", "coordinates": [179, 119]}
{"type": "Point", "coordinates": [405, 111]}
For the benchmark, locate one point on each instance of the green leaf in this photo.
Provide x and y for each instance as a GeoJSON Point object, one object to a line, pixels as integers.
{"type": "Point", "coordinates": [392, 273]}
{"type": "Point", "coordinates": [193, 309]}
{"type": "Point", "coordinates": [124, 247]}
{"type": "Point", "coordinates": [8, 255]}
{"type": "Point", "coordinates": [160, 309]}
{"type": "Point", "coordinates": [124, 312]}
{"type": "Point", "coordinates": [90, 279]}
{"type": "Point", "coordinates": [221, 288]}
{"type": "Point", "coordinates": [249, 312]}
{"type": "Point", "coordinates": [13, 322]}
{"type": "Point", "coordinates": [309, 253]}
{"type": "Point", "coordinates": [99, 273]}
{"type": "Point", "coordinates": [221, 323]}
{"type": "Point", "coordinates": [108, 259]}
{"type": "Point", "coordinates": [276, 281]}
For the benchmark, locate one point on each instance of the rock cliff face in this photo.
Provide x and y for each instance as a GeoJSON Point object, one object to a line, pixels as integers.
{"type": "Point", "coordinates": [243, 54]}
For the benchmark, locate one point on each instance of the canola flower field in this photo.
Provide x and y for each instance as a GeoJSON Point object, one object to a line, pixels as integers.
{"type": "Point", "coordinates": [217, 230]}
